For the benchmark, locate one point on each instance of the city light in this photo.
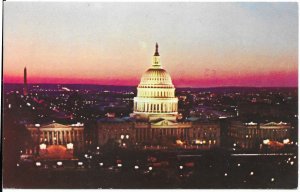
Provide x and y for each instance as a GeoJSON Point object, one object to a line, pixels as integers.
{"type": "Point", "coordinates": [150, 168]}
{"type": "Point", "coordinates": [179, 142]}
{"type": "Point", "coordinates": [266, 141]}
{"type": "Point", "coordinates": [292, 162]}
{"type": "Point", "coordinates": [101, 164]}
{"type": "Point", "coordinates": [272, 179]}
{"type": "Point", "coordinates": [127, 136]}
{"type": "Point", "coordinates": [43, 146]}
{"type": "Point", "coordinates": [286, 141]}
{"type": "Point", "coordinates": [38, 164]}
{"type": "Point", "coordinates": [225, 174]}
{"type": "Point", "coordinates": [80, 163]}
{"type": "Point", "coordinates": [180, 167]}
{"type": "Point", "coordinates": [119, 165]}
{"type": "Point", "coordinates": [122, 137]}
{"type": "Point", "coordinates": [59, 163]}
{"type": "Point", "coordinates": [251, 173]}
{"type": "Point", "coordinates": [69, 145]}
{"type": "Point", "coordinates": [136, 167]}
{"type": "Point", "coordinates": [238, 164]}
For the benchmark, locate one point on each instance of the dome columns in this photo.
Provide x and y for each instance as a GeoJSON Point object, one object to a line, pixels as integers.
{"type": "Point", "coordinates": [158, 106]}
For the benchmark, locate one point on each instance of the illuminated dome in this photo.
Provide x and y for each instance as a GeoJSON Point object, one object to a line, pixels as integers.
{"type": "Point", "coordinates": [154, 77]}
{"type": "Point", "coordinates": [156, 93]}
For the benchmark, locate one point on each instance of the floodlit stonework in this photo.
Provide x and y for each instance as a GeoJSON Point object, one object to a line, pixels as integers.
{"type": "Point", "coordinates": [156, 94]}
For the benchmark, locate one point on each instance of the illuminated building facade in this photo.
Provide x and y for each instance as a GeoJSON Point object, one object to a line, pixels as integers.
{"type": "Point", "coordinates": [198, 134]}
{"type": "Point", "coordinates": [155, 94]}
{"type": "Point", "coordinates": [253, 135]}
{"type": "Point", "coordinates": [154, 118]}
{"type": "Point", "coordinates": [57, 134]}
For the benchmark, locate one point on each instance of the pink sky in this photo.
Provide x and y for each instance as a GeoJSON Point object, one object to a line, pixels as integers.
{"type": "Point", "coordinates": [201, 45]}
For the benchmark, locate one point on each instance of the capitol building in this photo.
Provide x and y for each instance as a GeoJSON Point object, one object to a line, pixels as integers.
{"type": "Point", "coordinates": [154, 119]}
{"type": "Point", "coordinates": [156, 94]}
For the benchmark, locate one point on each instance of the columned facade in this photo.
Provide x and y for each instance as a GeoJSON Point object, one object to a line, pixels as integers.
{"type": "Point", "coordinates": [58, 134]}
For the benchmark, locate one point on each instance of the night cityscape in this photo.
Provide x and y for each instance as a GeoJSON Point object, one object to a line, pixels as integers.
{"type": "Point", "coordinates": [156, 132]}
{"type": "Point", "coordinates": [229, 165]}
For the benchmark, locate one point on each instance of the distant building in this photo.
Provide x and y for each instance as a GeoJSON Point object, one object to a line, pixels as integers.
{"type": "Point", "coordinates": [25, 88]}
{"type": "Point", "coordinates": [254, 135]}
{"type": "Point", "coordinates": [154, 119]}
{"type": "Point", "coordinates": [57, 134]}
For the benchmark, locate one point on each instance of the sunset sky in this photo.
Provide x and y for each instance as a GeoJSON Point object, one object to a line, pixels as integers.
{"type": "Point", "coordinates": [201, 44]}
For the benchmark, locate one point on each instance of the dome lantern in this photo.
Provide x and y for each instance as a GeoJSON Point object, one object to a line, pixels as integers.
{"type": "Point", "coordinates": [156, 58]}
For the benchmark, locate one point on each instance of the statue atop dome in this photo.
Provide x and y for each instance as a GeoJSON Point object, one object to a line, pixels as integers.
{"type": "Point", "coordinates": [156, 58]}
{"type": "Point", "coordinates": [156, 50]}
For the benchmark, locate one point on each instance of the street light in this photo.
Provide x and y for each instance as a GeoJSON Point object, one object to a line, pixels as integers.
{"type": "Point", "coordinates": [150, 168]}
{"type": "Point", "coordinates": [286, 141]}
{"type": "Point", "coordinates": [180, 167]}
{"type": "Point", "coordinates": [59, 163]}
{"type": "Point", "coordinates": [127, 136]}
{"type": "Point", "coordinates": [266, 141]}
{"type": "Point", "coordinates": [80, 163]}
{"type": "Point", "coordinates": [70, 145]}
{"type": "Point", "coordinates": [38, 164]}
{"type": "Point", "coordinates": [122, 137]}
{"type": "Point", "coordinates": [43, 146]}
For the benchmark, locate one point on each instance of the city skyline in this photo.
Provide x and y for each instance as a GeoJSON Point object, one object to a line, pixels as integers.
{"type": "Point", "coordinates": [201, 44]}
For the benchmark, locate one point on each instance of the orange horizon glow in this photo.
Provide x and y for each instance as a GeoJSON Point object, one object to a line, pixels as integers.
{"type": "Point", "coordinates": [270, 79]}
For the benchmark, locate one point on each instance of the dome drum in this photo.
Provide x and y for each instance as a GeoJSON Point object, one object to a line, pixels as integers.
{"type": "Point", "coordinates": [156, 92]}
{"type": "Point", "coordinates": [162, 106]}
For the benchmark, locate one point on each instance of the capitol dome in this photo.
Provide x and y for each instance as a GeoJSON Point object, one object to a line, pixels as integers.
{"type": "Point", "coordinates": [156, 78]}
{"type": "Point", "coordinates": [156, 93]}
